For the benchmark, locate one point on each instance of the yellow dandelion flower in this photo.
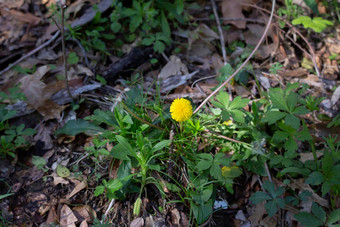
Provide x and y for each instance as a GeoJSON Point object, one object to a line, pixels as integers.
{"type": "Point", "coordinates": [181, 109]}
{"type": "Point", "coordinates": [228, 122]}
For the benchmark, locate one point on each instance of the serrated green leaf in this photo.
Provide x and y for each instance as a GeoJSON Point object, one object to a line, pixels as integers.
{"type": "Point", "coordinates": [114, 185]}
{"type": "Point", "coordinates": [292, 100]}
{"type": "Point", "coordinates": [38, 161]}
{"type": "Point", "coordinates": [74, 127]}
{"type": "Point", "coordinates": [119, 152]}
{"type": "Point", "coordinates": [223, 98]}
{"type": "Point", "coordinates": [308, 219]}
{"type": "Point", "coordinates": [125, 145]}
{"type": "Point", "coordinates": [300, 110]}
{"type": "Point", "coordinates": [319, 212]}
{"type": "Point", "coordinates": [280, 136]}
{"type": "Point", "coordinates": [278, 100]}
{"type": "Point", "coordinates": [99, 190]}
{"type": "Point", "coordinates": [293, 121]}
{"type": "Point", "coordinates": [291, 145]}
{"type": "Point", "coordinates": [216, 171]}
{"type": "Point", "coordinates": [271, 208]}
{"type": "Point", "coordinates": [63, 171]}
{"type": "Point", "coordinates": [273, 116]}
{"type": "Point", "coordinates": [238, 103]}
{"type": "Point", "coordinates": [72, 58]}
{"type": "Point", "coordinates": [315, 178]}
{"type": "Point", "coordinates": [259, 197]}
{"type": "Point", "coordinates": [334, 217]}
{"type": "Point", "coordinates": [237, 115]}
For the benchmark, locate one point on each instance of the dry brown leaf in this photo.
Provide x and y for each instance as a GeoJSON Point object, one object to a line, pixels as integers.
{"type": "Point", "coordinates": [137, 222]}
{"type": "Point", "coordinates": [77, 189]}
{"type": "Point", "coordinates": [11, 3]}
{"type": "Point", "coordinates": [173, 67]}
{"type": "Point", "coordinates": [233, 9]}
{"type": "Point", "coordinates": [83, 224]}
{"type": "Point", "coordinates": [52, 216]}
{"type": "Point", "coordinates": [67, 217]}
{"type": "Point", "coordinates": [258, 214]}
{"type": "Point", "coordinates": [86, 212]}
{"type": "Point", "coordinates": [217, 62]}
{"type": "Point", "coordinates": [175, 217]}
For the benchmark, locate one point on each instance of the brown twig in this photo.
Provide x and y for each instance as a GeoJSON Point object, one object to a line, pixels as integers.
{"type": "Point", "coordinates": [64, 49]}
{"type": "Point", "coordinates": [232, 19]}
{"type": "Point", "coordinates": [222, 136]}
{"type": "Point", "coordinates": [29, 54]}
{"type": "Point", "coordinates": [244, 63]}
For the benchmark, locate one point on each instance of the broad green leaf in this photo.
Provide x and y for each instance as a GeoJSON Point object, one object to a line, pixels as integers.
{"type": "Point", "coordinates": [313, 5]}
{"type": "Point", "coordinates": [72, 58]}
{"type": "Point", "coordinates": [291, 145]}
{"type": "Point", "coordinates": [63, 171]}
{"type": "Point", "coordinates": [308, 219]}
{"type": "Point", "coordinates": [100, 116]}
{"type": "Point", "coordinates": [215, 170]}
{"type": "Point", "coordinates": [273, 116]}
{"type": "Point", "coordinates": [280, 136]}
{"type": "Point", "coordinates": [334, 217]}
{"type": "Point", "coordinates": [99, 190]}
{"type": "Point", "coordinates": [223, 98]}
{"type": "Point", "coordinates": [278, 100]}
{"type": "Point", "coordinates": [293, 121]}
{"type": "Point", "coordinates": [270, 187]}
{"type": "Point", "coordinates": [119, 152]}
{"type": "Point", "coordinates": [237, 115]}
{"type": "Point", "coordinates": [271, 208]}
{"type": "Point", "coordinates": [74, 127]}
{"type": "Point", "coordinates": [325, 187]}
{"type": "Point", "coordinates": [292, 100]}
{"type": "Point", "coordinates": [160, 145]}
{"type": "Point", "coordinates": [238, 103]}
{"type": "Point", "coordinates": [38, 161]}
{"type": "Point", "coordinates": [319, 212]}
{"type": "Point", "coordinates": [315, 178]}
{"type": "Point", "coordinates": [300, 110]}
{"type": "Point", "coordinates": [114, 185]}
{"type": "Point", "coordinates": [280, 202]}
{"type": "Point", "coordinates": [259, 197]}
{"type": "Point", "coordinates": [125, 144]}
{"type": "Point", "coordinates": [202, 212]}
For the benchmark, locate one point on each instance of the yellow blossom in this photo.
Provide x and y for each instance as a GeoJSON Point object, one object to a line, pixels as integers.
{"type": "Point", "coordinates": [228, 122]}
{"type": "Point", "coordinates": [181, 109]}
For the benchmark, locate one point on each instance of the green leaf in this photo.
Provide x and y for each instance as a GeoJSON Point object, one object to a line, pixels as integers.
{"type": "Point", "coordinates": [300, 110]}
{"type": "Point", "coordinates": [74, 127]}
{"type": "Point", "coordinates": [334, 217]}
{"type": "Point", "coordinates": [292, 100]}
{"type": "Point", "coordinates": [202, 212]}
{"type": "Point", "coordinates": [160, 145]}
{"type": "Point", "coordinates": [280, 136]}
{"type": "Point", "coordinates": [5, 195]}
{"type": "Point", "coordinates": [238, 103]}
{"type": "Point", "coordinates": [116, 26]}
{"type": "Point", "coordinates": [223, 98]}
{"type": "Point", "coordinates": [237, 115]}
{"type": "Point", "coordinates": [278, 100]}
{"type": "Point", "coordinates": [114, 185]}
{"type": "Point", "coordinates": [319, 212]}
{"type": "Point", "coordinates": [308, 219]}
{"type": "Point", "coordinates": [38, 161]}
{"type": "Point", "coordinates": [273, 116]}
{"type": "Point", "coordinates": [315, 178]}
{"type": "Point", "coordinates": [159, 46]}
{"type": "Point", "coordinates": [105, 117]}
{"type": "Point", "coordinates": [313, 5]}
{"type": "Point", "coordinates": [259, 197]}
{"type": "Point", "coordinates": [205, 162]}
{"type": "Point", "coordinates": [325, 187]}
{"type": "Point", "coordinates": [119, 152]}
{"type": "Point", "coordinates": [72, 58]}
{"type": "Point", "coordinates": [293, 121]}
{"type": "Point", "coordinates": [165, 25]}
{"type": "Point", "coordinates": [215, 170]}
{"type": "Point", "coordinates": [125, 145]}
{"type": "Point", "coordinates": [63, 171]}
{"type": "Point", "coordinates": [291, 145]}
{"type": "Point", "coordinates": [270, 187]}
{"type": "Point", "coordinates": [271, 208]}
{"type": "Point", "coordinates": [99, 190]}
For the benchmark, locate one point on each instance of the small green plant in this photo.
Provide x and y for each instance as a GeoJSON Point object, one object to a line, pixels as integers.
{"type": "Point", "coordinates": [272, 196]}
{"type": "Point", "coordinates": [317, 24]}
{"type": "Point", "coordinates": [318, 217]}
{"type": "Point", "coordinates": [11, 137]}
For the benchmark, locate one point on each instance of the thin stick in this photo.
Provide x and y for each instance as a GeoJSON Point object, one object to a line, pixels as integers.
{"type": "Point", "coordinates": [224, 54]}
{"type": "Point", "coordinates": [222, 136]}
{"type": "Point", "coordinates": [244, 63]}
{"type": "Point", "coordinates": [30, 53]}
{"type": "Point", "coordinates": [107, 211]}
{"type": "Point", "coordinates": [64, 50]}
